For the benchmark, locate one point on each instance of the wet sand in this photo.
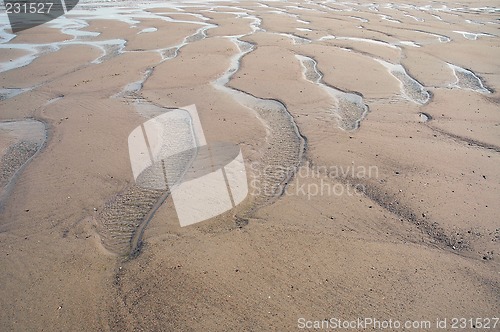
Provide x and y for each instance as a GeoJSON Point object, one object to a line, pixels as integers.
{"type": "Point", "coordinates": [20, 142]}
{"type": "Point", "coordinates": [370, 137]}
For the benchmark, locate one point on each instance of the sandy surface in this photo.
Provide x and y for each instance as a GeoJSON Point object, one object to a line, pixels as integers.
{"type": "Point", "coordinates": [384, 117]}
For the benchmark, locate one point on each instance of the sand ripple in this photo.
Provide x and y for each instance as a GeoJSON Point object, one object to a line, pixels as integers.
{"type": "Point", "coordinates": [410, 87]}
{"type": "Point", "coordinates": [350, 108]}
{"type": "Point", "coordinates": [285, 144]}
{"type": "Point", "coordinates": [466, 79]}
{"type": "Point", "coordinates": [20, 141]}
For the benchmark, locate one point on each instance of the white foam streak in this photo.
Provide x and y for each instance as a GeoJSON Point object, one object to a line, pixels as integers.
{"type": "Point", "coordinates": [350, 109]}
{"type": "Point", "coordinates": [356, 39]}
{"type": "Point", "coordinates": [466, 79]}
{"type": "Point", "coordinates": [410, 87]}
{"type": "Point", "coordinates": [472, 35]}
